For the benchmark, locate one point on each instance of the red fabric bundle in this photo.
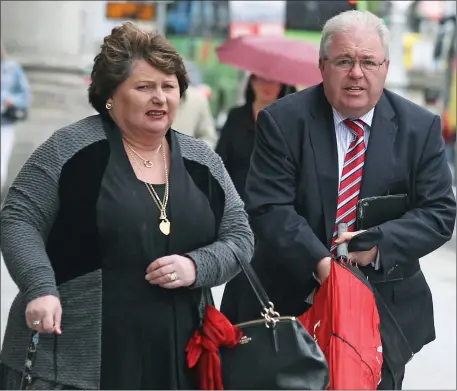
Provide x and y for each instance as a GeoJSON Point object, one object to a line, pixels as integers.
{"type": "Point", "coordinates": [202, 350]}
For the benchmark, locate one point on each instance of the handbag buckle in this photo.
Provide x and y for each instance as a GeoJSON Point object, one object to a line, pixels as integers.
{"type": "Point", "coordinates": [270, 315]}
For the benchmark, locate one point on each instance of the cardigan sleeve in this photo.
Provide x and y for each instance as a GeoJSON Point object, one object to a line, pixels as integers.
{"type": "Point", "coordinates": [217, 263]}
{"type": "Point", "coordinates": [27, 217]}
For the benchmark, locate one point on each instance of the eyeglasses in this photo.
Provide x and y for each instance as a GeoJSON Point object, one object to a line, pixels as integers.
{"type": "Point", "coordinates": [346, 64]}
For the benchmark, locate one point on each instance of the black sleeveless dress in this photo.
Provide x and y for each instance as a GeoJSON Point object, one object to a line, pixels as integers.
{"type": "Point", "coordinates": [145, 327]}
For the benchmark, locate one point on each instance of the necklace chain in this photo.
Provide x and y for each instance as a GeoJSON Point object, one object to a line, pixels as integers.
{"type": "Point", "coordinates": [161, 204]}
{"type": "Point", "coordinates": [146, 162]}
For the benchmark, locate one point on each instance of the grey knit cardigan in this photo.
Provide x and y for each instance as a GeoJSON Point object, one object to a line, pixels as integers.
{"type": "Point", "coordinates": [30, 211]}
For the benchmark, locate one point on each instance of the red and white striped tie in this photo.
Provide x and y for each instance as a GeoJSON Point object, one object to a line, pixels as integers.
{"type": "Point", "coordinates": [351, 178]}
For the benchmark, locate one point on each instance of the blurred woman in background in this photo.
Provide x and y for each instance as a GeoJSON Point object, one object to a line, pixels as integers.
{"type": "Point", "coordinates": [237, 135]}
{"type": "Point", "coordinates": [15, 100]}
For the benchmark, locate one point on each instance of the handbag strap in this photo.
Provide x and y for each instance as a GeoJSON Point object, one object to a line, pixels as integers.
{"type": "Point", "coordinates": [26, 379]}
{"type": "Point", "coordinates": [268, 311]}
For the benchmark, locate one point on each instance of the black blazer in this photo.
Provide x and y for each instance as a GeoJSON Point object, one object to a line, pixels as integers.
{"type": "Point", "coordinates": [291, 197]}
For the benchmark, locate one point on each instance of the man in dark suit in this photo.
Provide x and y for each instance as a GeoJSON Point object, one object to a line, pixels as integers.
{"type": "Point", "coordinates": [320, 150]}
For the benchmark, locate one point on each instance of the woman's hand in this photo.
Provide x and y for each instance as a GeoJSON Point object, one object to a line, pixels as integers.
{"type": "Point", "coordinates": [44, 315]}
{"type": "Point", "coordinates": [172, 271]}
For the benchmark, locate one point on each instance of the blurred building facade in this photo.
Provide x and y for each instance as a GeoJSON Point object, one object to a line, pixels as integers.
{"type": "Point", "coordinates": [62, 35]}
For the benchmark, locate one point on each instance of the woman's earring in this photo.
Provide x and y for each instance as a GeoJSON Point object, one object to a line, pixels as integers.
{"type": "Point", "coordinates": [108, 106]}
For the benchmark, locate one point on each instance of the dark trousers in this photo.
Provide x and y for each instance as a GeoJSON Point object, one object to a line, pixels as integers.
{"type": "Point", "coordinates": [390, 382]}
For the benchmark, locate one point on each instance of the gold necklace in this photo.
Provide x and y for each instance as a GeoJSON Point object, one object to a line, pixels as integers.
{"type": "Point", "coordinates": [146, 162]}
{"type": "Point", "coordinates": [165, 225]}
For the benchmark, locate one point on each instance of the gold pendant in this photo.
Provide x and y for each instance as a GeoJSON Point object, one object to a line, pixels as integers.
{"type": "Point", "coordinates": [164, 226]}
{"type": "Point", "coordinates": [148, 164]}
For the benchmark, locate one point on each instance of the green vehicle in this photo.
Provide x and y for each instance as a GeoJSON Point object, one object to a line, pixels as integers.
{"type": "Point", "coordinates": [197, 28]}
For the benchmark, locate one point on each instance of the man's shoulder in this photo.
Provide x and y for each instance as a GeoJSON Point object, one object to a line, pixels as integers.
{"type": "Point", "coordinates": [298, 100]}
{"type": "Point", "coordinates": [289, 113]}
{"type": "Point", "coordinates": [406, 108]}
{"type": "Point", "coordinates": [295, 108]}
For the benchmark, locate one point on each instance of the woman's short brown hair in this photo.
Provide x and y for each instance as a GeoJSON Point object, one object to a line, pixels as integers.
{"type": "Point", "coordinates": [125, 44]}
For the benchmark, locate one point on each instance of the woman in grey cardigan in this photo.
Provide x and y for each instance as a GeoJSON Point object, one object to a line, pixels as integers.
{"type": "Point", "coordinates": [115, 230]}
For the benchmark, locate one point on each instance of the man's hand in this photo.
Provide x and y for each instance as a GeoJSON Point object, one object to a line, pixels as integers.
{"type": "Point", "coordinates": [362, 258]}
{"type": "Point", "coordinates": [323, 269]}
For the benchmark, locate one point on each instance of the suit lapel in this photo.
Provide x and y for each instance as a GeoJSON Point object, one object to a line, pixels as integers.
{"type": "Point", "coordinates": [378, 157]}
{"type": "Point", "coordinates": [323, 140]}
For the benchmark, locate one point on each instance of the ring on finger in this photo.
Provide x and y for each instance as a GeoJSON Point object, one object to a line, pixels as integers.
{"type": "Point", "coordinates": [173, 276]}
{"type": "Point", "coordinates": [36, 323]}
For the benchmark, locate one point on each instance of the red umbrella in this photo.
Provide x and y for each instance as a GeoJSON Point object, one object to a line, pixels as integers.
{"type": "Point", "coordinates": [345, 322]}
{"type": "Point", "coordinates": [286, 60]}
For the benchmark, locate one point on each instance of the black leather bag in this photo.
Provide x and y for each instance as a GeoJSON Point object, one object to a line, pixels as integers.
{"type": "Point", "coordinates": [275, 353]}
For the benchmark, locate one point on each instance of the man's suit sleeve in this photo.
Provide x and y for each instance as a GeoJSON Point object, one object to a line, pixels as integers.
{"type": "Point", "coordinates": [430, 223]}
{"type": "Point", "coordinates": [270, 199]}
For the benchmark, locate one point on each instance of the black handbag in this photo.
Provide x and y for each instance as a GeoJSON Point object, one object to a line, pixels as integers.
{"type": "Point", "coordinates": [275, 353]}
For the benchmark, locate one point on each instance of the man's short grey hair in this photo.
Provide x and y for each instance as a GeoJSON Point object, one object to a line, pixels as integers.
{"type": "Point", "coordinates": [346, 22]}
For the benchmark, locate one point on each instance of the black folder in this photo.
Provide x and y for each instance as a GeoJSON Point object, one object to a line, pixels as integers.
{"type": "Point", "coordinates": [374, 211]}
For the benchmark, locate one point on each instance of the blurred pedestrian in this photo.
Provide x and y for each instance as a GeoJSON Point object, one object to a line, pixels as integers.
{"type": "Point", "coordinates": [317, 153]}
{"type": "Point", "coordinates": [237, 135]}
{"type": "Point", "coordinates": [115, 230]}
{"type": "Point", "coordinates": [194, 117]}
{"type": "Point", "coordinates": [15, 101]}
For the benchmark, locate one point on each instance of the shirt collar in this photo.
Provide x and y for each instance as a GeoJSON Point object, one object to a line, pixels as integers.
{"type": "Point", "coordinates": [366, 118]}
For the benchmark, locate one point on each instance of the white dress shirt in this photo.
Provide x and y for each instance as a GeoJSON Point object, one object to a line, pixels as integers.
{"type": "Point", "coordinates": [344, 135]}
